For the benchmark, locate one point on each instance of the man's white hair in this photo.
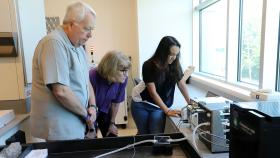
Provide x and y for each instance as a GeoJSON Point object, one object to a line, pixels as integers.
{"type": "Point", "coordinates": [77, 11]}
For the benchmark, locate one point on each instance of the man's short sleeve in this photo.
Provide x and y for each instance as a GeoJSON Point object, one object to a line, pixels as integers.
{"type": "Point", "coordinates": [54, 63]}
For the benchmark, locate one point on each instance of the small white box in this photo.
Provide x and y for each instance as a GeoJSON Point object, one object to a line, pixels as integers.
{"type": "Point", "coordinates": [6, 116]}
{"type": "Point", "coordinates": [265, 96]}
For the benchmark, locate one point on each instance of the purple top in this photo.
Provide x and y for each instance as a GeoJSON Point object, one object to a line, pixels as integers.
{"type": "Point", "coordinates": [106, 93]}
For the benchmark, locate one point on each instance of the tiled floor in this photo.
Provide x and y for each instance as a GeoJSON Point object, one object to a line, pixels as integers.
{"type": "Point", "coordinates": [130, 129]}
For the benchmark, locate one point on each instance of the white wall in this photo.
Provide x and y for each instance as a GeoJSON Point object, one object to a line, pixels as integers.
{"type": "Point", "coordinates": [119, 24]}
{"type": "Point", "coordinates": [32, 26]}
{"type": "Point", "coordinates": [158, 18]}
{"type": "Point", "coordinates": [26, 18]}
{"type": "Point", "coordinates": [116, 27]}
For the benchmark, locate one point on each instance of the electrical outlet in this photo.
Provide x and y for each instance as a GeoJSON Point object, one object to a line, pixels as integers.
{"type": "Point", "coordinates": [162, 146]}
{"type": "Point", "coordinates": [162, 139]}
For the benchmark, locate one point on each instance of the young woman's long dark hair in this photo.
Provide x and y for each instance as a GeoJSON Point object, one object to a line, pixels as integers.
{"type": "Point", "coordinates": [160, 59]}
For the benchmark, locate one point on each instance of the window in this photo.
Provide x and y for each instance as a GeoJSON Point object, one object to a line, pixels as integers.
{"type": "Point", "coordinates": [250, 41]}
{"type": "Point", "coordinates": [278, 60]}
{"type": "Point", "coordinates": [201, 1]}
{"type": "Point", "coordinates": [213, 39]}
{"type": "Point", "coordinates": [236, 43]}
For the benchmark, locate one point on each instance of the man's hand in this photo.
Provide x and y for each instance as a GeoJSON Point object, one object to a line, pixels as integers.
{"type": "Point", "coordinates": [92, 113]}
{"type": "Point", "coordinates": [91, 116]}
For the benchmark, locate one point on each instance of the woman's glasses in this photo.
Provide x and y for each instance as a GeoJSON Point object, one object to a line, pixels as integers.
{"type": "Point", "coordinates": [124, 71]}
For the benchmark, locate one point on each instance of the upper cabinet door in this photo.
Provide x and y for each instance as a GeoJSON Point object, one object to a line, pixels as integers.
{"type": "Point", "coordinates": [5, 16]}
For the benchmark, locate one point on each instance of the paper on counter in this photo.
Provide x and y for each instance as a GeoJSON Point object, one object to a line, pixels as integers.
{"type": "Point", "coordinates": [38, 153]}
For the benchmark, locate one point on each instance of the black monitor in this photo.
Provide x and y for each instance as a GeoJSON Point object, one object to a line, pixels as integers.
{"type": "Point", "coordinates": [255, 129]}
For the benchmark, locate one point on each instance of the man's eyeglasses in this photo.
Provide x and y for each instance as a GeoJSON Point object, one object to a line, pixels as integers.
{"type": "Point", "coordinates": [88, 29]}
{"type": "Point", "coordinates": [85, 29]}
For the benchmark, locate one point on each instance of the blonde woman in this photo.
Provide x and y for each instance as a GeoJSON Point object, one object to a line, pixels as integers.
{"type": "Point", "coordinates": [109, 81]}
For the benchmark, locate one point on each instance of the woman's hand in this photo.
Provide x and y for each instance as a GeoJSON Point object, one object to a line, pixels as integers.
{"type": "Point", "coordinates": [173, 112]}
{"type": "Point", "coordinates": [112, 129]}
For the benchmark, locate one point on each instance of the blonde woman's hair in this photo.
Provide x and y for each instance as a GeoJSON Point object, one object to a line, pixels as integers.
{"type": "Point", "coordinates": [77, 11]}
{"type": "Point", "coordinates": [111, 63]}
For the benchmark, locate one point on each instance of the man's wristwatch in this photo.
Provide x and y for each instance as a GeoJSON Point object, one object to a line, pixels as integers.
{"type": "Point", "coordinates": [112, 123]}
{"type": "Point", "coordinates": [94, 106]}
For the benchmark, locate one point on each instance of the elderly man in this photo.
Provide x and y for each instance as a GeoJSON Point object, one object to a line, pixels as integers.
{"type": "Point", "coordinates": [62, 98]}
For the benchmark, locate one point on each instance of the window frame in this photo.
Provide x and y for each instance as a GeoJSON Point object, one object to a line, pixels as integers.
{"type": "Point", "coordinates": [233, 46]}
{"type": "Point", "coordinates": [240, 35]}
{"type": "Point", "coordinates": [201, 9]}
{"type": "Point", "coordinates": [277, 85]}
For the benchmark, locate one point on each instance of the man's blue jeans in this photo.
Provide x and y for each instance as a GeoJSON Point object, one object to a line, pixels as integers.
{"type": "Point", "coordinates": [148, 119]}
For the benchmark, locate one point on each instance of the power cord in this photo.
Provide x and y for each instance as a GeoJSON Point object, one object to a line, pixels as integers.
{"type": "Point", "coordinates": [202, 132]}
{"type": "Point", "coordinates": [179, 123]}
{"type": "Point", "coordinates": [154, 141]}
{"type": "Point", "coordinates": [207, 132]}
{"type": "Point", "coordinates": [134, 150]}
{"type": "Point", "coordinates": [177, 140]}
{"type": "Point", "coordinates": [194, 131]}
{"type": "Point", "coordinates": [126, 147]}
{"type": "Point", "coordinates": [226, 146]}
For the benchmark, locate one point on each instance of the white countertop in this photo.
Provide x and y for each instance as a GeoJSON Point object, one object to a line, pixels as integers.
{"type": "Point", "coordinates": [203, 151]}
{"type": "Point", "coordinates": [15, 122]}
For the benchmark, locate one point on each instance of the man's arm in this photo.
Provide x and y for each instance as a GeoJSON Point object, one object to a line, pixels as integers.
{"type": "Point", "coordinates": [68, 99]}
{"type": "Point", "coordinates": [92, 100]}
{"type": "Point", "coordinates": [92, 110]}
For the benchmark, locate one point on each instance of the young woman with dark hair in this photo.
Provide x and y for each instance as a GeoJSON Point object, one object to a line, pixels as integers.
{"type": "Point", "coordinates": [160, 73]}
